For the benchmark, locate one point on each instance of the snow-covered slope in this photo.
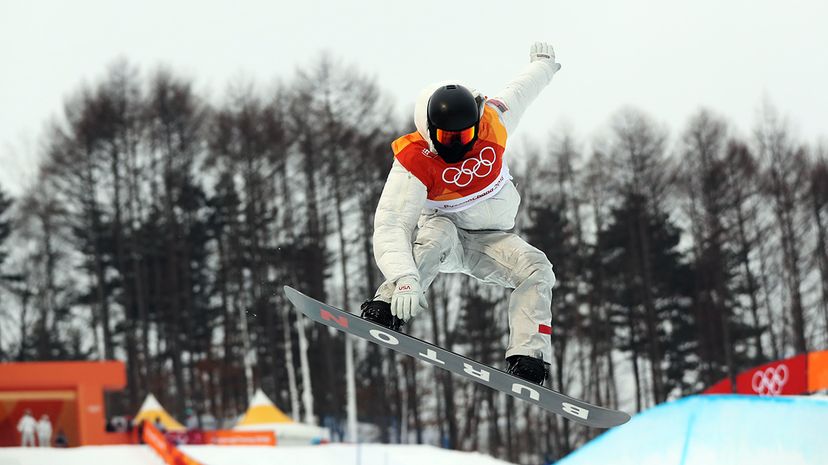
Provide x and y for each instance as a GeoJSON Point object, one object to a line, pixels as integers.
{"type": "Point", "coordinates": [717, 429]}
{"type": "Point", "coordinates": [91, 455]}
{"type": "Point", "coordinates": [369, 454]}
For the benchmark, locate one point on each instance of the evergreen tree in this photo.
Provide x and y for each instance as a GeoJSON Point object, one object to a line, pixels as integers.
{"type": "Point", "coordinates": [552, 232]}
{"type": "Point", "coordinates": [670, 291]}
{"type": "Point", "coordinates": [708, 196]}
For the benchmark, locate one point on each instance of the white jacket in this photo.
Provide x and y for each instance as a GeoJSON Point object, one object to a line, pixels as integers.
{"type": "Point", "coordinates": [44, 428]}
{"type": "Point", "coordinates": [27, 424]}
{"type": "Point", "coordinates": [404, 196]}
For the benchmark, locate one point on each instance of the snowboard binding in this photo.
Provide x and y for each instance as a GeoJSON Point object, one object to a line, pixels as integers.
{"type": "Point", "coordinates": [529, 368]}
{"type": "Point", "coordinates": [379, 312]}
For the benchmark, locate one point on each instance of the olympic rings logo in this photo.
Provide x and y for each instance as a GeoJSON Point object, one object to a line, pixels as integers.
{"type": "Point", "coordinates": [770, 381]}
{"type": "Point", "coordinates": [471, 168]}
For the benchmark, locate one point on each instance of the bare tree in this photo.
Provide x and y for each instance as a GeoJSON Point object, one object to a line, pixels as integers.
{"type": "Point", "coordinates": [818, 196]}
{"type": "Point", "coordinates": [637, 150]}
{"type": "Point", "coordinates": [785, 179]}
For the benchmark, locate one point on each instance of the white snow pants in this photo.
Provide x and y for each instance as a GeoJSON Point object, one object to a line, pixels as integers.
{"type": "Point", "coordinates": [495, 257]}
{"type": "Point", "coordinates": [27, 439]}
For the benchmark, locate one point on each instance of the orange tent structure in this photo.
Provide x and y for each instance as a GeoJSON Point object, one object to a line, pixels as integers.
{"type": "Point", "coordinates": [70, 393]}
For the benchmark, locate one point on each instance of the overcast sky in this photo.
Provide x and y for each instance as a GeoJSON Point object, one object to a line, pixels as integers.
{"type": "Point", "coordinates": [665, 57]}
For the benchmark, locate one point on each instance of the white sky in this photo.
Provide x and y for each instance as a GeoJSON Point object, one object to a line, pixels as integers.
{"type": "Point", "coordinates": [665, 57]}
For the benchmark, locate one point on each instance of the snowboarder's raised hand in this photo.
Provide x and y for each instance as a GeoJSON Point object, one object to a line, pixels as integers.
{"type": "Point", "coordinates": [408, 299]}
{"type": "Point", "coordinates": [543, 51]}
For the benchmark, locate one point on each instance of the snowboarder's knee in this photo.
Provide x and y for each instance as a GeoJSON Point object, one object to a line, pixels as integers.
{"type": "Point", "coordinates": [436, 233]}
{"type": "Point", "coordinates": [539, 270]}
{"type": "Point", "coordinates": [544, 275]}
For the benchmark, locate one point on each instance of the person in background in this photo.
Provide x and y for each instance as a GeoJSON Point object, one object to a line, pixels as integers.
{"type": "Point", "coordinates": [159, 425]}
{"type": "Point", "coordinates": [27, 426]}
{"type": "Point", "coordinates": [140, 431]}
{"type": "Point", "coordinates": [191, 421]}
{"type": "Point", "coordinates": [44, 432]}
{"type": "Point", "coordinates": [61, 440]}
{"type": "Point", "coordinates": [120, 424]}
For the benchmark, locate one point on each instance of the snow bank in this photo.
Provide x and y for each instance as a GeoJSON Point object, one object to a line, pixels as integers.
{"type": "Point", "coordinates": [716, 429]}
{"type": "Point", "coordinates": [90, 455]}
{"type": "Point", "coordinates": [368, 454]}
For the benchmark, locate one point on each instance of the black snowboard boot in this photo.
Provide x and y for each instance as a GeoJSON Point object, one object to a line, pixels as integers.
{"type": "Point", "coordinates": [379, 312]}
{"type": "Point", "coordinates": [529, 368]}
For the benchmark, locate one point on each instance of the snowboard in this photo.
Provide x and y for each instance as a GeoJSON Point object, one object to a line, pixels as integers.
{"type": "Point", "coordinates": [545, 398]}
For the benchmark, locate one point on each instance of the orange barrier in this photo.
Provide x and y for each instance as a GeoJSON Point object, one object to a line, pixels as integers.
{"type": "Point", "coordinates": [818, 371]}
{"type": "Point", "coordinates": [800, 374]}
{"type": "Point", "coordinates": [165, 449]}
{"type": "Point", "coordinates": [240, 438]}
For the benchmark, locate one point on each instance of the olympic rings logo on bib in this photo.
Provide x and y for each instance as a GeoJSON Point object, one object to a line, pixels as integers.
{"type": "Point", "coordinates": [770, 381]}
{"type": "Point", "coordinates": [470, 169]}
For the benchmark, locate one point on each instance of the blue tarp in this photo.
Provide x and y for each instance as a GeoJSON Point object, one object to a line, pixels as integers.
{"type": "Point", "coordinates": [716, 429]}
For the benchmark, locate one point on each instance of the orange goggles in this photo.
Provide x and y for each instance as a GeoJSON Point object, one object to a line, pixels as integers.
{"type": "Point", "coordinates": [462, 137]}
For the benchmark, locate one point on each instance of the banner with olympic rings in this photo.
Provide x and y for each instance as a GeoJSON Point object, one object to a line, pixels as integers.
{"type": "Point", "coordinates": [800, 374]}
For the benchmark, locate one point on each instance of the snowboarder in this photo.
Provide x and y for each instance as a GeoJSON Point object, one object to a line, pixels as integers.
{"type": "Point", "coordinates": [450, 182]}
{"type": "Point", "coordinates": [44, 432]}
{"type": "Point", "coordinates": [27, 426]}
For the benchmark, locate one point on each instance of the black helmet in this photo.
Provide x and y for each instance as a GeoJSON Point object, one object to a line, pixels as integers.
{"type": "Point", "coordinates": [453, 118]}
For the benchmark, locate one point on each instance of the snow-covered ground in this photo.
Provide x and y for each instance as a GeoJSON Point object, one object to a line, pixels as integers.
{"type": "Point", "coordinates": [698, 430]}
{"type": "Point", "coordinates": [369, 454]}
{"type": "Point", "coordinates": [91, 455]}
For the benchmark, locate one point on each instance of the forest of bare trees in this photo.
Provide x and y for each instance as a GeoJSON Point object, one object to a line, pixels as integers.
{"type": "Point", "coordinates": [163, 225]}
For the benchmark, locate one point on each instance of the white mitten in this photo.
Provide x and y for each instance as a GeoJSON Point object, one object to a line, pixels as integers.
{"type": "Point", "coordinates": [543, 51]}
{"type": "Point", "coordinates": [408, 299]}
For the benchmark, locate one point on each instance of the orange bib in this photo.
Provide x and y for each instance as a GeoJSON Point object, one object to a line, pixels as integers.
{"type": "Point", "coordinates": [458, 186]}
